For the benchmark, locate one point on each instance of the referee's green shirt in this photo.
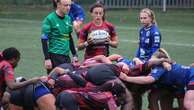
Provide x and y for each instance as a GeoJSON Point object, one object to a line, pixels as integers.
{"type": "Point", "coordinates": [58, 31]}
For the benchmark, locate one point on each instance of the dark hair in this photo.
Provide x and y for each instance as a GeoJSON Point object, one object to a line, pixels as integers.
{"type": "Point", "coordinates": [10, 53]}
{"type": "Point", "coordinates": [114, 87]}
{"type": "Point", "coordinates": [118, 89]}
{"type": "Point", "coordinates": [96, 5]}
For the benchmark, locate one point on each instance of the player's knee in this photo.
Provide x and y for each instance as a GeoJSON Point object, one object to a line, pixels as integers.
{"type": "Point", "coordinates": [46, 102]}
{"type": "Point", "coordinates": [188, 105]}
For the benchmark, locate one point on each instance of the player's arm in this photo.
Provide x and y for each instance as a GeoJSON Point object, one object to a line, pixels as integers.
{"type": "Point", "coordinates": [102, 58]}
{"type": "Point", "coordinates": [72, 48]}
{"type": "Point", "coordinates": [156, 40]}
{"type": "Point", "coordinates": [44, 40]}
{"type": "Point", "coordinates": [13, 85]}
{"type": "Point", "coordinates": [82, 44]}
{"type": "Point", "coordinates": [159, 61]}
{"type": "Point", "coordinates": [113, 39]}
{"type": "Point", "coordinates": [82, 41]}
{"type": "Point", "coordinates": [137, 80]}
{"type": "Point", "coordinates": [115, 57]}
{"type": "Point", "coordinates": [113, 42]}
{"type": "Point", "coordinates": [10, 80]}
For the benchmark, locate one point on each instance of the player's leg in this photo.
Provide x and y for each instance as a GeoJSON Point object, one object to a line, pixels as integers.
{"type": "Point", "coordinates": [189, 100]}
{"type": "Point", "coordinates": [166, 99]}
{"type": "Point", "coordinates": [128, 100]}
{"type": "Point", "coordinates": [44, 99]}
{"type": "Point", "coordinates": [66, 101]}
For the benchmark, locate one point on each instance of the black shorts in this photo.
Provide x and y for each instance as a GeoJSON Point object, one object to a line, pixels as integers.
{"type": "Point", "coordinates": [66, 66]}
{"type": "Point", "coordinates": [57, 59]}
{"type": "Point", "coordinates": [27, 96]}
{"type": "Point", "coordinates": [23, 97]}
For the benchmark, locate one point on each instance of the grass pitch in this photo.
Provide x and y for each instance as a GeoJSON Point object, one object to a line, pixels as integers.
{"type": "Point", "coordinates": [21, 28]}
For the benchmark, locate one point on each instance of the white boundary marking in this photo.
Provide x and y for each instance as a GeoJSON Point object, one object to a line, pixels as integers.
{"type": "Point", "coordinates": [165, 43]}
{"type": "Point", "coordinates": [131, 28]}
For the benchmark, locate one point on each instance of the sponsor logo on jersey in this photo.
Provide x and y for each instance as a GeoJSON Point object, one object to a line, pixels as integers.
{"type": "Point", "coordinates": [157, 39]}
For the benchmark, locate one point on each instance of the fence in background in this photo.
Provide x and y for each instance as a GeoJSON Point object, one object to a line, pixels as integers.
{"type": "Point", "coordinates": [149, 3]}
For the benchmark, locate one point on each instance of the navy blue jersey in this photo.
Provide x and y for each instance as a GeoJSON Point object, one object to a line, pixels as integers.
{"type": "Point", "coordinates": [76, 12]}
{"type": "Point", "coordinates": [149, 42]}
{"type": "Point", "coordinates": [179, 76]}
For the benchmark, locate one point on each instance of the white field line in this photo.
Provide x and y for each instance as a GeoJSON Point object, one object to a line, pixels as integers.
{"type": "Point", "coordinates": [119, 27]}
{"type": "Point", "coordinates": [130, 28]}
{"type": "Point", "coordinates": [165, 43]}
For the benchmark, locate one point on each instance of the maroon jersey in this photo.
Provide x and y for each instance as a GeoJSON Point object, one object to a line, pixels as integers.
{"type": "Point", "coordinates": [102, 49]}
{"type": "Point", "coordinates": [88, 99]}
{"type": "Point", "coordinates": [6, 73]}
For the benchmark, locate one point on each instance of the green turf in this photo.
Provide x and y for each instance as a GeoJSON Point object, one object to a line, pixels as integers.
{"type": "Point", "coordinates": [20, 27]}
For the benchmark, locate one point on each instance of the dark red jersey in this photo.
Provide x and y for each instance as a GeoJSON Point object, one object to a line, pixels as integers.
{"type": "Point", "coordinates": [6, 73]}
{"type": "Point", "coordinates": [94, 50]}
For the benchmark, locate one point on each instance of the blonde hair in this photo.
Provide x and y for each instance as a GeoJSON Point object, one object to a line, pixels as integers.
{"type": "Point", "coordinates": [150, 14]}
{"type": "Point", "coordinates": [161, 53]}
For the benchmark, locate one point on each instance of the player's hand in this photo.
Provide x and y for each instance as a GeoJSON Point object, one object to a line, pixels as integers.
{"type": "Point", "coordinates": [167, 66]}
{"type": "Point", "coordinates": [48, 64]}
{"type": "Point", "coordinates": [35, 79]}
{"type": "Point", "coordinates": [51, 83]}
{"type": "Point", "coordinates": [90, 41]}
{"type": "Point", "coordinates": [43, 78]}
{"type": "Point", "coordinates": [107, 41]}
{"type": "Point", "coordinates": [137, 61]}
{"type": "Point", "coordinates": [77, 25]}
{"type": "Point", "coordinates": [6, 98]}
{"type": "Point", "coordinates": [192, 65]}
{"type": "Point", "coordinates": [123, 76]}
{"type": "Point", "coordinates": [125, 68]}
{"type": "Point", "coordinates": [75, 62]}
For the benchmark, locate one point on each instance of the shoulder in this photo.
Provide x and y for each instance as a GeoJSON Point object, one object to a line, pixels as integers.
{"type": "Point", "coordinates": [157, 69]}
{"type": "Point", "coordinates": [155, 29]}
{"type": "Point", "coordinates": [88, 25]}
{"type": "Point", "coordinates": [141, 29]}
{"type": "Point", "coordinates": [108, 24]}
{"type": "Point", "coordinates": [5, 65]}
{"type": "Point", "coordinates": [50, 16]}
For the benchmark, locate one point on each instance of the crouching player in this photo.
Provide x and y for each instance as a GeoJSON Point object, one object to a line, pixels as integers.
{"type": "Point", "coordinates": [9, 59]}
{"type": "Point", "coordinates": [179, 76]}
{"type": "Point", "coordinates": [103, 96]}
{"type": "Point", "coordinates": [97, 76]}
{"type": "Point", "coordinates": [32, 97]}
